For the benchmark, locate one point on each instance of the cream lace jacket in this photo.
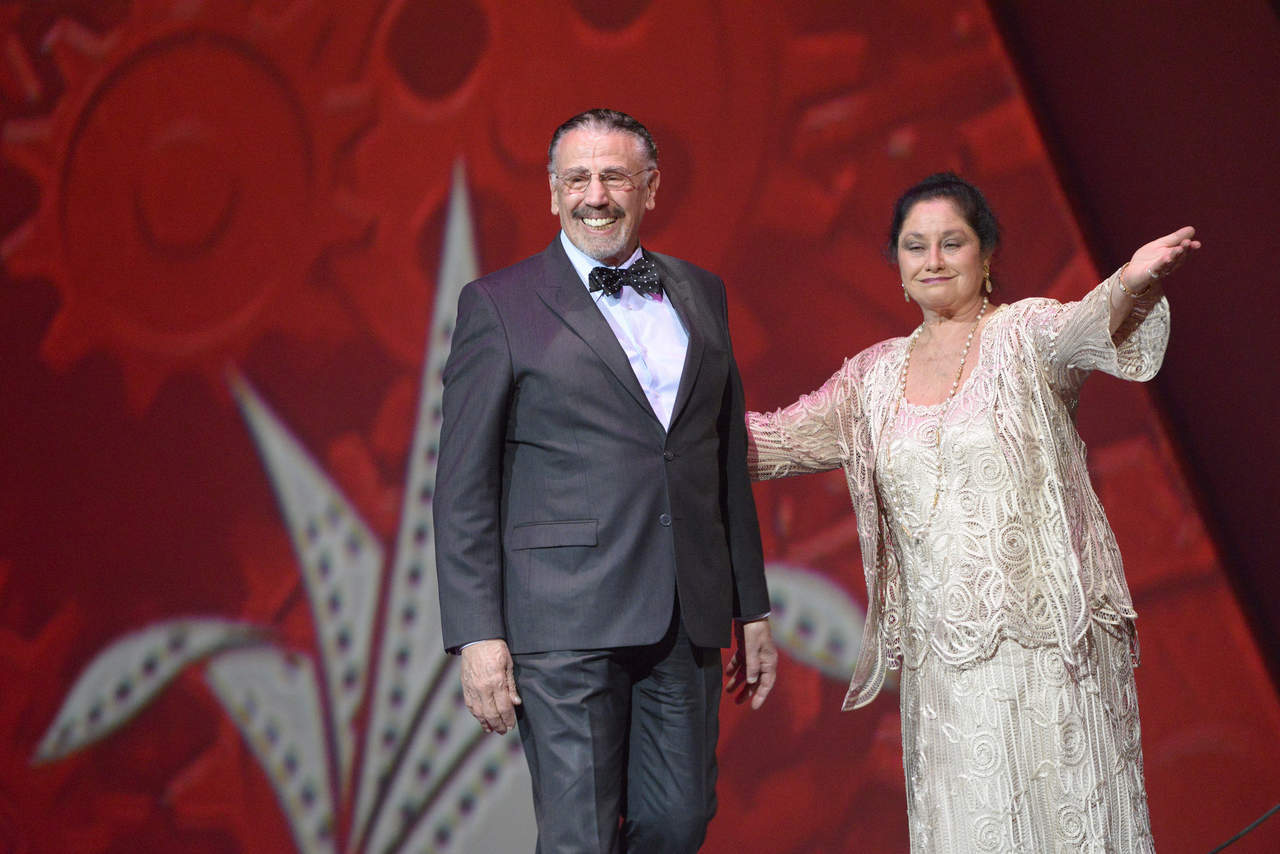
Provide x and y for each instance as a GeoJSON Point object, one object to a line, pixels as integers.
{"type": "Point", "coordinates": [1056, 564]}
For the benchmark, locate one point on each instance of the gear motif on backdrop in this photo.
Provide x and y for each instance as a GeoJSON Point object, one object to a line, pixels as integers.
{"type": "Point", "coordinates": [18, 78]}
{"type": "Point", "coordinates": [179, 222]}
{"type": "Point", "coordinates": [460, 80]}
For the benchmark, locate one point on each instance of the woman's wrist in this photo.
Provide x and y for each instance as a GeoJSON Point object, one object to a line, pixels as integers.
{"type": "Point", "coordinates": [1126, 291]}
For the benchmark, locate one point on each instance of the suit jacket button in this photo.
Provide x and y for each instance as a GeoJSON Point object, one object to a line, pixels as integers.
{"type": "Point", "coordinates": [665, 520]}
{"type": "Point", "coordinates": [668, 455]}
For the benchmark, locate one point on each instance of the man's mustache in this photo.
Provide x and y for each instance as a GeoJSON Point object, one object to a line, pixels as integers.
{"type": "Point", "coordinates": [607, 212]}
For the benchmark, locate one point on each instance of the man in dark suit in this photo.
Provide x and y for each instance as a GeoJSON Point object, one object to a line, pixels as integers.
{"type": "Point", "coordinates": [596, 537]}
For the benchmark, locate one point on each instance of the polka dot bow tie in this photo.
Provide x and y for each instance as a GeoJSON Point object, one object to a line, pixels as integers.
{"type": "Point", "coordinates": [642, 276]}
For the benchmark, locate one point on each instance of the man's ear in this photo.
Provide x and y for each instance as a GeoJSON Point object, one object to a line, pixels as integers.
{"type": "Point", "coordinates": [655, 178]}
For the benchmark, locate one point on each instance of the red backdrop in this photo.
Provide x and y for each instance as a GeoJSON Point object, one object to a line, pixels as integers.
{"type": "Point", "coordinates": [194, 191]}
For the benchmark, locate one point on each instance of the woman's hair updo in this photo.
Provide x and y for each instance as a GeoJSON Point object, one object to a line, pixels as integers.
{"type": "Point", "coordinates": [967, 198]}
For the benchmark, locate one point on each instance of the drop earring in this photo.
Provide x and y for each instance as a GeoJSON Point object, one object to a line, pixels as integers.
{"type": "Point", "coordinates": [905, 296]}
{"type": "Point", "coordinates": [986, 276]}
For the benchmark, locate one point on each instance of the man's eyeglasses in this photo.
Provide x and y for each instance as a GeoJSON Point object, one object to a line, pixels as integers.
{"type": "Point", "coordinates": [612, 179]}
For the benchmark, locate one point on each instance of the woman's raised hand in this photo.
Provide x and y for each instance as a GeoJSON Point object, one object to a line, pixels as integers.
{"type": "Point", "coordinates": [1158, 259]}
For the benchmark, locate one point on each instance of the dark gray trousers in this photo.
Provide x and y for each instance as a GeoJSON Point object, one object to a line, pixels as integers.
{"type": "Point", "coordinates": [621, 745]}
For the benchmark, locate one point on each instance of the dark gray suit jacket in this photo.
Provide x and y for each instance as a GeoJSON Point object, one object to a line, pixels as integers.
{"type": "Point", "coordinates": [566, 516]}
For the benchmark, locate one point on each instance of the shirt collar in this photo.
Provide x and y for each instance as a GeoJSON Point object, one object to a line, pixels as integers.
{"type": "Point", "coordinates": [583, 263]}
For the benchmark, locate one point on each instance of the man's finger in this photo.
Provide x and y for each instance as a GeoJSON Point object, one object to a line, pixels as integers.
{"type": "Point", "coordinates": [511, 687]}
{"type": "Point", "coordinates": [735, 681]}
{"type": "Point", "coordinates": [767, 678]}
{"type": "Point", "coordinates": [496, 716]}
{"type": "Point", "coordinates": [475, 705]}
{"type": "Point", "coordinates": [506, 710]}
{"type": "Point", "coordinates": [753, 665]}
{"type": "Point", "coordinates": [761, 663]}
{"type": "Point", "coordinates": [480, 702]}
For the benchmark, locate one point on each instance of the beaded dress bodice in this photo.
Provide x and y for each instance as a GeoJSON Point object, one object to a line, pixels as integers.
{"type": "Point", "coordinates": [956, 573]}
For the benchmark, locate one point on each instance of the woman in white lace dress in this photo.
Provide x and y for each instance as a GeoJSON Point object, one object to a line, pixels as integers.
{"type": "Point", "coordinates": [993, 578]}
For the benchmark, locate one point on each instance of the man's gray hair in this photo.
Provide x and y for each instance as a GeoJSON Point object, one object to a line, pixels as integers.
{"type": "Point", "coordinates": [601, 119]}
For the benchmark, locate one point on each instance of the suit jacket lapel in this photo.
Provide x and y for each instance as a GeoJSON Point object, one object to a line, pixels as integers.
{"type": "Point", "coordinates": [681, 293]}
{"type": "Point", "coordinates": [564, 293]}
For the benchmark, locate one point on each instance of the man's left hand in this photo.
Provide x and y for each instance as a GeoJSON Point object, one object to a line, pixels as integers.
{"type": "Point", "coordinates": [753, 667]}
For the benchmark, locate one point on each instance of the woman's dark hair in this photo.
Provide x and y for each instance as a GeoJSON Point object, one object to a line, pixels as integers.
{"type": "Point", "coordinates": [967, 198]}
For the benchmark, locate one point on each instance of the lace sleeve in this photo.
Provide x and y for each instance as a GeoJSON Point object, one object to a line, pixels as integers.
{"type": "Point", "coordinates": [1073, 339]}
{"type": "Point", "coordinates": [807, 436]}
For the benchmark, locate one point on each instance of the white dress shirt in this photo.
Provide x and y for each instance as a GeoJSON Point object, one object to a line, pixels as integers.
{"type": "Point", "coordinates": [648, 329]}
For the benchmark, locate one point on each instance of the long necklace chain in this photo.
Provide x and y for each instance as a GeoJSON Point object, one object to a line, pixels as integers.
{"type": "Point", "coordinates": [940, 482]}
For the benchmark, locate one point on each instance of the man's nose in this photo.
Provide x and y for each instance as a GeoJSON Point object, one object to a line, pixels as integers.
{"type": "Point", "coordinates": [595, 194]}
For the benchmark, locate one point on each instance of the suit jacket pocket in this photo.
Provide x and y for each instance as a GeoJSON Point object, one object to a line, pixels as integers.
{"type": "Point", "coordinates": [545, 535]}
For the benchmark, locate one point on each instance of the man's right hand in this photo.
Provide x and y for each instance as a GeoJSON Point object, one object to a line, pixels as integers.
{"type": "Point", "coordinates": [489, 684]}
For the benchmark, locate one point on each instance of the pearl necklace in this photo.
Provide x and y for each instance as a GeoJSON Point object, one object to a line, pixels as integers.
{"type": "Point", "coordinates": [892, 492]}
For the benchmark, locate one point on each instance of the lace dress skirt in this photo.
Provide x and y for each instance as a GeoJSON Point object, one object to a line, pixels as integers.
{"type": "Point", "coordinates": [1007, 746]}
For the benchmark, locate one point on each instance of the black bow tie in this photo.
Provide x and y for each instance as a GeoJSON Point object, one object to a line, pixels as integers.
{"type": "Point", "coordinates": [642, 276]}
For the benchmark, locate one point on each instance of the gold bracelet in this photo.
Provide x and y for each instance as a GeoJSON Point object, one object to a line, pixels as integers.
{"type": "Point", "coordinates": [1120, 281]}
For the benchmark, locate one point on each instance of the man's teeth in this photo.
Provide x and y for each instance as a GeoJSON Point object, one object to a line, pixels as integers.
{"type": "Point", "coordinates": [599, 223]}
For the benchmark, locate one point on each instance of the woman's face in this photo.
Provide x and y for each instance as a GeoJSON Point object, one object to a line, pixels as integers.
{"type": "Point", "coordinates": [939, 256]}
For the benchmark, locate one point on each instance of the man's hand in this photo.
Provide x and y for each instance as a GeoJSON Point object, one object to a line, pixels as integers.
{"type": "Point", "coordinates": [489, 685]}
{"type": "Point", "coordinates": [753, 667]}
